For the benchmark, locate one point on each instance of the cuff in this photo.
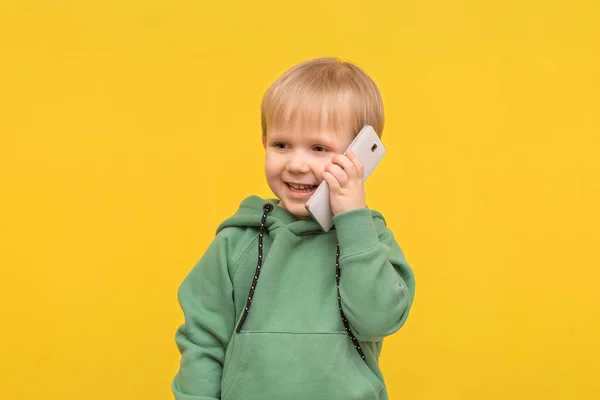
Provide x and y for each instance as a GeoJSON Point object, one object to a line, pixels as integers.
{"type": "Point", "coordinates": [355, 231]}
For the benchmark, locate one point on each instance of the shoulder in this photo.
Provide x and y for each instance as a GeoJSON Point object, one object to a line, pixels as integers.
{"type": "Point", "coordinates": [234, 242]}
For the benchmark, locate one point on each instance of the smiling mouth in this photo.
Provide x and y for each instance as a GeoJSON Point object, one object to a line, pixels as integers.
{"type": "Point", "coordinates": [301, 188]}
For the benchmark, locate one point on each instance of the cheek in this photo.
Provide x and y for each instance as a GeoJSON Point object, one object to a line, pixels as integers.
{"type": "Point", "coordinates": [273, 164]}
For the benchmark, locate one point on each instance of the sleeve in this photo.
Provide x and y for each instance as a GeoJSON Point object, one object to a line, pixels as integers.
{"type": "Point", "coordinates": [377, 285]}
{"type": "Point", "coordinates": [206, 299]}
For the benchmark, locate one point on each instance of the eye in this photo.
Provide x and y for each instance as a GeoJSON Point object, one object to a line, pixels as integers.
{"type": "Point", "coordinates": [279, 145]}
{"type": "Point", "coordinates": [321, 149]}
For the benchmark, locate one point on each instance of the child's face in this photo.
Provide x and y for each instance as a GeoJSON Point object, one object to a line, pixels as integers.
{"type": "Point", "coordinates": [295, 156]}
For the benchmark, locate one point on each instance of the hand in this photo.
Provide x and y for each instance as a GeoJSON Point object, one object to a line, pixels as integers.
{"type": "Point", "coordinates": [345, 177]}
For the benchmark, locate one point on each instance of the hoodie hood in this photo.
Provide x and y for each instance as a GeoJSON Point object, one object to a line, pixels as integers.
{"type": "Point", "coordinates": [250, 213]}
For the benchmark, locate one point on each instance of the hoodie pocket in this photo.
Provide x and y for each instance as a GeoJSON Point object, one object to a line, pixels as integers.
{"type": "Point", "coordinates": [266, 365]}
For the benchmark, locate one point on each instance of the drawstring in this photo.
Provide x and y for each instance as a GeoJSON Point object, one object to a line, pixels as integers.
{"type": "Point", "coordinates": [267, 208]}
{"type": "Point", "coordinates": [338, 275]}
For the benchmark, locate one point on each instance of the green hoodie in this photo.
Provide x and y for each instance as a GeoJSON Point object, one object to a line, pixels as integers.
{"type": "Point", "coordinates": [293, 342]}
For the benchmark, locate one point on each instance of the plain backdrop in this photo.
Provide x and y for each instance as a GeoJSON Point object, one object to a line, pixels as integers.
{"type": "Point", "coordinates": [130, 129]}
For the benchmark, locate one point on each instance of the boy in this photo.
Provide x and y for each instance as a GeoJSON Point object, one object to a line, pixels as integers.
{"type": "Point", "coordinates": [277, 308]}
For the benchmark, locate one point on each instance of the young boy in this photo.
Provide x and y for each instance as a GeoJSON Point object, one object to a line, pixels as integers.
{"type": "Point", "coordinates": [276, 308]}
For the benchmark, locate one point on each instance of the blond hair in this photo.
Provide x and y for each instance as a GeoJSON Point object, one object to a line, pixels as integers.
{"type": "Point", "coordinates": [323, 89]}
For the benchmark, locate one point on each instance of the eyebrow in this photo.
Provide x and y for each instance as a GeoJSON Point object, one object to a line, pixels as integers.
{"type": "Point", "coordinates": [314, 140]}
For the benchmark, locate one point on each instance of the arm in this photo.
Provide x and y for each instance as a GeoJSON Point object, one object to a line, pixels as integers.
{"type": "Point", "coordinates": [206, 299]}
{"type": "Point", "coordinates": [377, 284]}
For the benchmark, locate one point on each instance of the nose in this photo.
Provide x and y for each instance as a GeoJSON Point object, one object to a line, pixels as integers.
{"type": "Point", "coordinates": [298, 163]}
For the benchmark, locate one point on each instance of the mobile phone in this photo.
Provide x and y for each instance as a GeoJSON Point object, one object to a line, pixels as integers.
{"type": "Point", "coordinates": [370, 150]}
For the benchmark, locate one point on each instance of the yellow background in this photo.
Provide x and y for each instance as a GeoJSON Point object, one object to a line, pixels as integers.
{"type": "Point", "coordinates": [130, 129]}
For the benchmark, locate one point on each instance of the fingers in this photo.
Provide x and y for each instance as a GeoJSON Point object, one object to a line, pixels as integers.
{"type": "Point", "coordinates": [345, 168]}
{"type": "Point", "coordinates": [360, 170]}
{"type": "Point", "coordinates": [340, 175]}
{"type": "Point", "coordinates": [350, 164]}
{"type": "Point", "coordinates": [333, 183]}
{"type": "Point", "coordinates": [345, 164]}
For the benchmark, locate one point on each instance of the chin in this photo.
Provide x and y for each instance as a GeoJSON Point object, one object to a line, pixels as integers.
{"type": "Point", "coordinates": [301, 215]}
{"type": "Point", "coordinates": [298, 210]}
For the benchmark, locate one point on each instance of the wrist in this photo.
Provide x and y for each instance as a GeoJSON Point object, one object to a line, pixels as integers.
{"type": "Point", "coordinates": [355, 230]}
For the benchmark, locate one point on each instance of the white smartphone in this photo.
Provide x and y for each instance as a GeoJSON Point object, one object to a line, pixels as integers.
{"type": "Point", "coordinates": [370, 150]}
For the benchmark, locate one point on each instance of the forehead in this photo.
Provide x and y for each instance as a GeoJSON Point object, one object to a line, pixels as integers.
{"type": "Point", "coordinates": [316, 119]}
{"type": "Point", "coordinates": [311, 132]}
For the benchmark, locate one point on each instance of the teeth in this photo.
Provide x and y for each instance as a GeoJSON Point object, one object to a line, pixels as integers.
{"type": "Point", "coordinates": [299, 187]}
{"type": "Point", "coordinates": [306, 188]}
